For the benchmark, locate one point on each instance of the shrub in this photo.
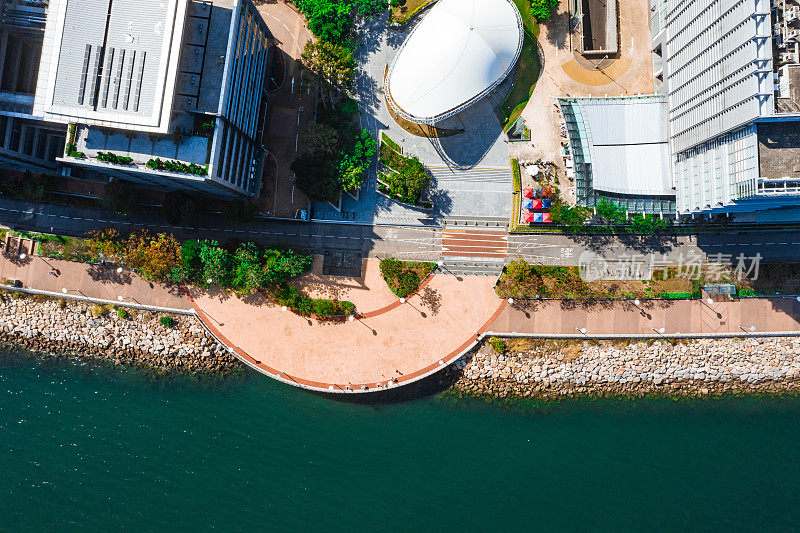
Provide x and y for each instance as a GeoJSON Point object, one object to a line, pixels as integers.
{"type": "Point", "coordinates": [122, 313]}
{"type": "Point", "coordinates": [176, 166]}
{"type": "Point", "coordinates": [62, 304]}
{"type": "Point", "coordinates": [305, 305]}
{"type": "Point", "coordinates": [497, 344]}
{"type": "Point", "coordinates": [99, 310]}
{"type": "Point", "coordinates": [167, 321]}
{"type": "Point", "coordinates": [404, 277]}
{"type": "Point", "coordinates": [324, 307]}
{"type": "Point", "coordinates": [515, 173]}
{"type": "Point", "coordinates": [109, 157]}
{"type": "Point", "coordinates": [410, 178]}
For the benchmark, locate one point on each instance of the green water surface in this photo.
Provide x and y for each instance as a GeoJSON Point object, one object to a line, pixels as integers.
{"type": "Point", "coordinates": [93, 448]}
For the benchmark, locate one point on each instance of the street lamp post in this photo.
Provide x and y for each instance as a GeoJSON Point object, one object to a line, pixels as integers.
{"type": "Point", "coordinates": [660, 331]}
{"type": "Point", "coordinates": [748, 330]}
{"type": "Point", "coordinates": [582, 330]}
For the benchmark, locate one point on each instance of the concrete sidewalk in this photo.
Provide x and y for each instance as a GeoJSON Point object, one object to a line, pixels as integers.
{"type": "Point", "coordinates": [90, 281]}
{"type": "Point", "coordinates": [556, 317]}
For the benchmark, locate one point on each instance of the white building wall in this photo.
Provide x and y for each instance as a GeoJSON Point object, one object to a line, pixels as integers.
{"type": "Point", "coordinates": [718, 65]}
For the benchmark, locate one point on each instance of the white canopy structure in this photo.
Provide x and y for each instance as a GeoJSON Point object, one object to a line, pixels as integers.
{"type": "Point", "coordinates": [459, 52]}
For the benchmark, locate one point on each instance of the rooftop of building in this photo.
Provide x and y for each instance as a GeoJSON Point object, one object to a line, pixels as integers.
{"type": "Point", "coordinates": [624, 141]}
{"type": "Point", "coordinates": [779, 150]}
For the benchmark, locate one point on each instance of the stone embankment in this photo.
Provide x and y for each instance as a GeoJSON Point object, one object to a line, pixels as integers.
{"type": "Point", "coordinates": [549, 369]}
{"type": "Point", "coordinates": [72, 328]}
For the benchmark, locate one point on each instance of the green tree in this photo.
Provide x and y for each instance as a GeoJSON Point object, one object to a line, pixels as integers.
{"type": "Point", "coordinates": [371, 8]}
{"type": "Point", "coordinates": [354, 163]}
{"type": "Point", "coordinates": [240, 211]}
{"type": "Point", "coordinates": [218, 263]}
{"type": "Point", "coordinates": [569, 216]}
{"type": "Point", "coordinates": [248, 273]}
{"type": "Point", "coordinates": [320, 139]}
{"type": "Point", "coordinates": [283, 265]}
{"type": "Point", "coordinates": [327, 19]}
{"type": "Point", "coordinates": [610, 211]}
{"type": "Point", "coordinates": [542, 9]}
{"type": "Point", "coordinates": [332, 63]}
{"type": "Point", "coordinates": [648, 224]}
{"type": "Point", "coordinates": [191, 259]}
{"type": "Point", "coordinates": [316, 176]}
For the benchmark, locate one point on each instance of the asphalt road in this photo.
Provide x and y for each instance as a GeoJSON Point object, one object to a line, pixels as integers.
{"type": "Point", "coordinates": [409, 242]}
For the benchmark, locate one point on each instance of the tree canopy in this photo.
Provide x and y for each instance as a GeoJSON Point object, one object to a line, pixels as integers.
{"type": "Point", "coordinates": [332, 63]}
{"type": "Point", "coordinates": [542, 9]}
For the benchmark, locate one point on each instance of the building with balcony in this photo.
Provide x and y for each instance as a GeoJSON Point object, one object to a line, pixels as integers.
{"type": "Point", "coordinates": [169, 94]}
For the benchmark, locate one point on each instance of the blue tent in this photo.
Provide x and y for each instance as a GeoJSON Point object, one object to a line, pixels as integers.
{"type": "Point", "coordinates": [537, 217]}
{"type": "Point", "coordinates": [546, 203]}
{"type": "Point", "coordinates": [527, 203]}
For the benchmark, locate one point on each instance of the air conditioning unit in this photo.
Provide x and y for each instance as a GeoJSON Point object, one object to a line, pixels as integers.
{"type": "Point", "coordinates": [793, 35]}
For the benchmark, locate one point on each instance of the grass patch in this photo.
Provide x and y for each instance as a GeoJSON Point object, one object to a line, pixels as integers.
{"type": "Point", "coordinates": [68, 248]}
{"type": "Point", "coordinates": [404, 277]}
{"type": "Point", "coordinates": [390, 143]}
{"type": "Point", "coordinates": [527, 73]}
{"type": "Point", "coordinates": [404, 10]}
{"type": "Point", "coordinates": [521, 280]}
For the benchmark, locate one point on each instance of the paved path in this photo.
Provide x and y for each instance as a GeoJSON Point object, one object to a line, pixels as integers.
{"type": "Point", "coordinates": [90, 281]}
{"type": "Point", "coordinates": [777, 314]}
{"type": "Point", "coordinates": [395, 342]}
{"type": "Point", "coordinates": [292, 106]}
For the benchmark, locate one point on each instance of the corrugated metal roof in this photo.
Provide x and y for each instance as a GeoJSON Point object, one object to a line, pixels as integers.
{"type": "Point", "coordinates": [628, 144]}
{"type": "Point", "coordinates": [134, 37]}
{"type": "Point", "coordinates": [626, 121]}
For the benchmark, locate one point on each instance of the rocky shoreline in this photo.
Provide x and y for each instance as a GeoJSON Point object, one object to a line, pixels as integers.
{"type": "Point", "coordinates": [67, 328]}
{"type": "Point", "coordinates": [557, 369]}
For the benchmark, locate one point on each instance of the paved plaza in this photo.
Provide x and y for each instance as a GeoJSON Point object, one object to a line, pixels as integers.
{"type": "Point", "coordinates": [472, 177]}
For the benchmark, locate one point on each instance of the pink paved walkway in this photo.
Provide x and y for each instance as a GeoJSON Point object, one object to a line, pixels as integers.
{"type": "Point", "coordinates": [621, 318]}
{"type": "Point", "coordinates": [403, 342]}
{"type": "Point", "coordinates": [91, 281]}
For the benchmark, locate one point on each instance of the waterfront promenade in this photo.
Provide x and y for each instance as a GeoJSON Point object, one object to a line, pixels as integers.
{"type": "Point", "coordinates": [625, 318]}
{"type": "Point", "coordinates": [392, 342]}
{"type": "Point", "coordinates": [93, 281]}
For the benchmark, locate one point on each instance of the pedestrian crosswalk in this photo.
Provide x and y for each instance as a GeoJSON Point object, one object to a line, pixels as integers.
{"type": "Point", "coordinates": [471, 243]}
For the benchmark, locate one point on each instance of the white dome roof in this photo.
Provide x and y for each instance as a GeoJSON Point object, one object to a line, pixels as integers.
{"type": "Point", "coordinates": [461, 50]}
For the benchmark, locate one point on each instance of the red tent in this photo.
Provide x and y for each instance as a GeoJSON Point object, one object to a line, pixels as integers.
{"type": "Point", "coordinates": [527, 217]}
{"type": "Point", "coordinates": [537, 204]}
{"type": "Point", "coordinates": [527, 192]}
{"type": "Point", "coordinates": [546, 217]}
